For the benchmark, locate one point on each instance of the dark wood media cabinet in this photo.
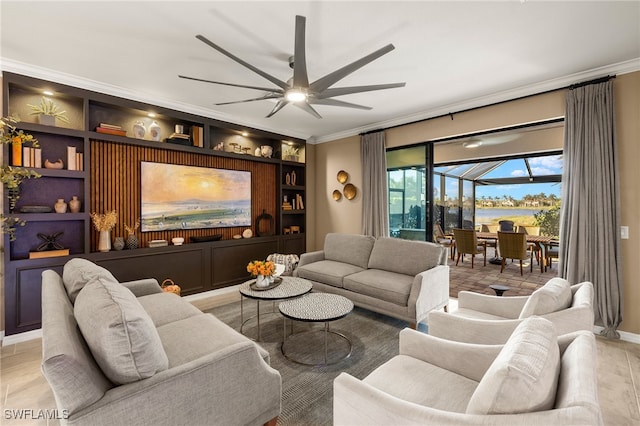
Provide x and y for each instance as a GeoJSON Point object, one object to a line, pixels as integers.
{"type": "Point", "coordinates": [196, 267]}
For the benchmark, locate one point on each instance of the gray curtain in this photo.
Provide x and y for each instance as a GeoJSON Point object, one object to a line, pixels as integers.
{"type": "Point", "coordinates": [375, 205]}
{"type": "Point", "coordinates": [590, 218]}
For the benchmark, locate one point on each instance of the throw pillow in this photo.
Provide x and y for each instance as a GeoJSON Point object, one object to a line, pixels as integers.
{"type": "Point", "coordinates": [524, 376]}
{"type": "Point", "coordinates": [118, 331]}
{"type": "Point", "coordinates": [78, 272]}
{"type": "Point", "coordinates": [554, 296]}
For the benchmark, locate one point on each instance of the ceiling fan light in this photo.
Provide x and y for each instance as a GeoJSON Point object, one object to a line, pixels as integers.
{"type": "Point", "coordinates": [295, 95]}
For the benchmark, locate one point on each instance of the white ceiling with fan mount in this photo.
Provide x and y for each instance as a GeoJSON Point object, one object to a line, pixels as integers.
{"type": "Point", "coordinates": [452, 55]}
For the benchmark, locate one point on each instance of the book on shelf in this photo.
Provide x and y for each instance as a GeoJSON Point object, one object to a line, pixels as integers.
{"type": "Point", "coordinates": [79, 161]}
{"type": "Point", "coordinates": [197, 133]}
{"type": "Point", "coordinates": [48, 253]}
{"type": "Point", "coordinates": [37, 158]}
{"type": "Point", "coordinates": [179, 136]}
{"type": "Point", "coordinates": [31, 157]}
{"type": "Point", "coordinates": [110, 126]}
{"type": "Point", "coordinates": [26, 156]}
{"type": "Point", "coordinates": [16, 154]}
{"type": "Point", "coordinates": [287, 206]}
{"type": "Point", "coordinates": [71, 158]}
{"type": "Point", "coordinates": [299, 203]}
{"type": "Point", "coordinates": [117, 132]}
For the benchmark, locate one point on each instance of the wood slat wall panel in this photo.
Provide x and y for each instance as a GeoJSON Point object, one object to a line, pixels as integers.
{"type": "Point", "coordinates": [115, 185]}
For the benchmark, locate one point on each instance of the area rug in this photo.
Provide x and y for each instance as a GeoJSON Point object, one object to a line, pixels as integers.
{"type": "Point", "coordinates": [307, 391]}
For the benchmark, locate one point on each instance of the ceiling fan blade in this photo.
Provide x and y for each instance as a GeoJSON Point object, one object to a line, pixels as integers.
{"type": "Point", "coordinates": [281, 104]}
{"type": "Point", "coordinates": [266, 89]}
{"type": "Point", "coordinates": [261, 98]}
{"type": "Point", "coordinates": [305, 106]}
{"type": "Point", "coordinates": [300, 77]}
{"type": "Point", "coordinates": [335, 102]}
{"type": "Point", "coordinates": [339, 91]}
{"type": "Point", "coordinates": [330, 79]}
{"type": "Point", "coordinates": [261, 73]}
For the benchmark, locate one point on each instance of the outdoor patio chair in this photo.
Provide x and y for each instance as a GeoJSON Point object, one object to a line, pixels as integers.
{"type": "Point", "coordinates": [506, 226]}
{"type": "Point", "coordinates": [551, 252]}
{"type": "Point", "coordinates": [513, 245]}
{"type": "Point", "coordinates": [531, 230]}
{"type": "Point", "coordinates": [445, 240]}
{"type": "Point", "coordinates": [491, 243]}
{"type": "Point", "coordinates": [467, 243]}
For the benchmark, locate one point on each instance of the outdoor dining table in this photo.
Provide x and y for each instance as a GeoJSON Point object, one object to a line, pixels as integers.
{"type": "Point", "coordinates": [540, 241]}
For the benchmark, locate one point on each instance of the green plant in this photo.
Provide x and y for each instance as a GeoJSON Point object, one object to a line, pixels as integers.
{"type": "Point", "coordinates": [12, 177]}
{"type": "Point", "coordinates": [9, 224]}
{"type": "Point", "coordinates": [48, 107]}
{"type": "Point", "coordinates": [291, 151]}
{"type": "Point", "coordinates": [549, 221]}
{"type": "Point", "coordinates": [10, 134]}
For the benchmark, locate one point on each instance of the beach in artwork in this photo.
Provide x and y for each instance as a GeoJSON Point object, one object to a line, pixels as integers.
{"type": "Point", "coordinates": [187, 197]}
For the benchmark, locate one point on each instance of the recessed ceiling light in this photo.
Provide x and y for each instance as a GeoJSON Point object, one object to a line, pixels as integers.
{"type": "Point", "coordinates": [473, 144]}
{"type": "Point", "coordinates": [47, 92]}
{"type": "Point", "coordinates": [245, 134]}
{"type": "Point", "coordinates": [151, 114]}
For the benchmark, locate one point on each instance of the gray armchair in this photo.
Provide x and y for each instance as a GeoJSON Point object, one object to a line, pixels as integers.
{"type": "Point", "coordinates": [489, 319]}
{"type": "Point", "coordinates": [534, 379]}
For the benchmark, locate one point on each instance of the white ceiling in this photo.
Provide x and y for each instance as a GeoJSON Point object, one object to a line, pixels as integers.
{"type": "Point", "coordinates": [452, 55]}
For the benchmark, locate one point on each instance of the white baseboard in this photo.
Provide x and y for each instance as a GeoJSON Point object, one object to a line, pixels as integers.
{"type": "Point", "coordinates": [211, 293]}
{"type": "Point", "coordinates": [624, 335]}
{"type": "Point", "coordinates": [21, 337]}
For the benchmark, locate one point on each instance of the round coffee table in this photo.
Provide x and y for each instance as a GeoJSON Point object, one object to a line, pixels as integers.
{"type": "Point", "coordinates": [289, 288]}
{"type": "Point", "coordinates": [315, 307]}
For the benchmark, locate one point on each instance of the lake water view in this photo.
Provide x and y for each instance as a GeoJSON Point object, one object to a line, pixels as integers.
{"type": "Point", "coordinates": [493, 215]}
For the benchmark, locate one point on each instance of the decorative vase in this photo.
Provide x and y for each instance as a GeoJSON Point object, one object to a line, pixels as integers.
{"type": "Point", "coordinates": [132, 242]}
{"type": "Point", "coordinates": [104, 243]}
{"type": "Point", "coordinates": [154, 131]}
{"type": "Point", "coordinates": [74, 204]}
{"type": "Point", "coordinates": [47, 120]}
{"type": "Point", "coordinates": [293, 178]}
{"type": "Point", "coordinates": [262, 281]}
{"type": "Point", "coordinates": [118, 243]}
{"type": "Point", "coordinates": [60, 206]}
{"type": "Point", "coordinates": [139, 130]}
{"type": "Point", "coordinates": [257, 152]}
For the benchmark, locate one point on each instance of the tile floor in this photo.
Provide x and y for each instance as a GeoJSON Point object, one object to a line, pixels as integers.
{"type": "Point", "coordinates": [23, 387]}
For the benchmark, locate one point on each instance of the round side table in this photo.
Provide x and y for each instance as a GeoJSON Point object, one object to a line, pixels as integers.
{"type": "Point", "coordinates": [315, 307]}
{"type": "Point", "coordinates": [289, 288]}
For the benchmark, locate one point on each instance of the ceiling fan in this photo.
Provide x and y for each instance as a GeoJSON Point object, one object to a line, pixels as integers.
{"type": "Point", "coordinates": [298, 90]}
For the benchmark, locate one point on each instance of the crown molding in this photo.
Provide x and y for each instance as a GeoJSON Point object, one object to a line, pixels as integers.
{"type": "Point", "coordinates": [620, 68]}
{"type": "Point", "coordinates": [108, 89]}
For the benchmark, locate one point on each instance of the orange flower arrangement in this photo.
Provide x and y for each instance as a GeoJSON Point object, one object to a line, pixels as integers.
{"type": "Point", "coordinates": [259, 267]}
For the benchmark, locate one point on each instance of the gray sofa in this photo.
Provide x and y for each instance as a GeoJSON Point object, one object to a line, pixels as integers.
{"type": "Point", "coordinates": [400, 278]}
{"type": "Point", "coordinates": [132, 354]}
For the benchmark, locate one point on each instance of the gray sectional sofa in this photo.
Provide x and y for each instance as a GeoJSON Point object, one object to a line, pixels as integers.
{"type": "Point", "coordinates": [131, 354]}
{"type": "Point", "coordinates": [400, 278]}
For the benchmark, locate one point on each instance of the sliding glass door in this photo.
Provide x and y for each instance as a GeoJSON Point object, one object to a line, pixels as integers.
{"type": "Point", "coordinates": [408, 178]}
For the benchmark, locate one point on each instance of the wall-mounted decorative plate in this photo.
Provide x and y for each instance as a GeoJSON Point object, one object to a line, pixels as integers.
{"type": "Point", "coordinates": [337, 195]}
{"type": "Point", "coordinates": [343, 176]}
{"type": "Point", "coordinates": [350, 191]}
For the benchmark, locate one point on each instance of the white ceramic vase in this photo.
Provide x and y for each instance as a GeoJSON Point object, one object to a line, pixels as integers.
{"type": "Point", "coordinates": [262, 281]}
{"type": "Point", "coordinates": [139, 130]}
{"type": "Point", "coordinates": [104, 243]}
{"type": "Point", "coordinates": [154, 131]}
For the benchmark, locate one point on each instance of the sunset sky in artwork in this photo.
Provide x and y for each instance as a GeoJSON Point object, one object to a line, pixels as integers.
{"type": "Point", "coordinates": [169, 183]}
